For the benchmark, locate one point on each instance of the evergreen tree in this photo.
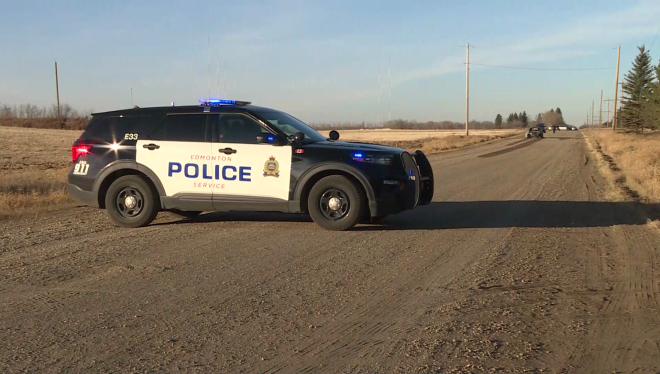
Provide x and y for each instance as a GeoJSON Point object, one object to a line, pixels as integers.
{"type": "Point", "coordinates": [552, 110]}
{"type": "Point", "coordinates": [510, 119]}
{"type": "Point", "coordinates": [636, 90]}
{"type": "Point", "coordinates": [498, 121]}
{"type": "Point", "coordinates": [651, 107]}
{"type": "Point", "coordinates": [515, 116]}
{"type": "Point", "coordinates": [539, 118]}
{"type": "Point", "coordinates": [524, 119]}
{"type": "Point", "coordinates": [558, 111]}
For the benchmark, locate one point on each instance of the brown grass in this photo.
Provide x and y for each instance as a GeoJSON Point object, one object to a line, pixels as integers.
{"type": "Point", "coordinates": [33, 164]}
{"type": "Point", "coordinates": [395, 135]}
{"type": "Point", "coordinates": [631, 160]}
{"type": "Point", "coordinates": [76, 123]}
{"type": "Point", "coordinates": [431, 145]}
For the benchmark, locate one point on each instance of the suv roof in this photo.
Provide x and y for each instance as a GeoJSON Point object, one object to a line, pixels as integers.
{"type": "Point", "coordinates": [179, 109]}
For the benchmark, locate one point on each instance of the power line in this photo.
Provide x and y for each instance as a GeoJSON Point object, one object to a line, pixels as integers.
{"type": "Point", "coordinates": [530, 68]}
{"type": "Point", "coordinates": [656, 35]}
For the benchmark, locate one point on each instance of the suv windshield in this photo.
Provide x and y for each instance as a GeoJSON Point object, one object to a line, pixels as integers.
{"type": "Point", "coordinates": [290, 125]}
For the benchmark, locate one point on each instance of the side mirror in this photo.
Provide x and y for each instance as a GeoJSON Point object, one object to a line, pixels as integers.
{"type": "Point", "coordinates": [334, 135]}
{"type": "Point", "coordinates": [298, 137]}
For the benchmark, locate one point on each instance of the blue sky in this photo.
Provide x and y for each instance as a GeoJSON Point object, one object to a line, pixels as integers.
{"type": "Point", "coordinates": [318, 59]}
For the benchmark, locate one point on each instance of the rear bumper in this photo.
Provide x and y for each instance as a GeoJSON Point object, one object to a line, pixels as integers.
{"type": "Point", "coordinates": [82, 196]}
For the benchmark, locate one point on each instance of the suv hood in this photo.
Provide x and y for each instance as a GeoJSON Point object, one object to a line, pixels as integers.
{"type": "Point", "coordinates": [355, 146]}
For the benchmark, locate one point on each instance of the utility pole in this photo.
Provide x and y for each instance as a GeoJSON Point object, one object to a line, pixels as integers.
{"type": "Point", "coordinates": [608, 111]}
{"type": "Point", "coordinates": [467, 90]}
{"type": "Point", "coordinates": [600, 112]}
{"type": "Point", "coordinates": [378, 95]}
{"type": "Point", "coordinates": [592, 112]}
{"type": "Point", "coordinates": [616, 89]}
{"type": "Point", "coordinates": [389, 90]}
{"type": "Point", "coordinates": [57, 89]}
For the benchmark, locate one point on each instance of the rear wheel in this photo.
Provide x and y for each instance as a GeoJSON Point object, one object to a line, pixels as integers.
{"type": "Point", "coordinates": [131, 202]}
{"type": "Point", "coordinates": [336, 203]}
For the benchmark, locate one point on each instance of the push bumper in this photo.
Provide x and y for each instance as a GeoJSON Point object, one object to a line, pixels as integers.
{"type": "Point", "coordinates": [417, 189]}
{"type": "Point", "coordinates": [82, 196]}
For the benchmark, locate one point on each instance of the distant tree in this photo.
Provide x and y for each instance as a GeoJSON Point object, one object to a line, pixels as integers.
{"type": "Point", "coordinates": [515, 117]}
{"type": "Point", "coordinates": [651, 107]}
{"type": "Point", "coordinates": [524, 119]}
{"type": "Point", "coordinates": [636, 90]}
{"type": "Point", "coordinates": [498, 121]}
{"type": "Point", "coordinates": [510, 118]}
{"type": "Point", "coordinates": [558, 111]}
{"type": "Point", "coordinates": [552, 118]}
{"type": "Point", "coordinates": [539, 118]}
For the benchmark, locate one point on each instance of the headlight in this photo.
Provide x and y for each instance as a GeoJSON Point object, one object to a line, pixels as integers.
{"type": "Point", "coordinates": [373, 159]}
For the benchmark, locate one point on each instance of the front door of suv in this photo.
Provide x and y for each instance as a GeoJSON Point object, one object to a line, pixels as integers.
{"type": "Point", "coordinates": [178, 151]}
{"type": "Point", "coordinates": [252, 175]}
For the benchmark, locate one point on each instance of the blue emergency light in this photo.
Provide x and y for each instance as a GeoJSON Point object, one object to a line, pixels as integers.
{"type": "Point", "coordinates": [218, 102]}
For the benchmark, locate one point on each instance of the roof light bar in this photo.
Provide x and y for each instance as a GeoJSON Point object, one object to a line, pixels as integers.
{"type": "Point", "coordinates": [217, 102]}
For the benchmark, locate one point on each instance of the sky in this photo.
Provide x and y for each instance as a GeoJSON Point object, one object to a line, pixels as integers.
{"type": "Point", "coordinates": [325, 61]}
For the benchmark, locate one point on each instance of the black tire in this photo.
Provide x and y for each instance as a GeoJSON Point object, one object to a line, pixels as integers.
{"type": "Point", "coordinates": [186, 213]}
{"type": "Point", "coordinates": [348, 194]}
{"type": "Point", "coordinates": [146, 201]}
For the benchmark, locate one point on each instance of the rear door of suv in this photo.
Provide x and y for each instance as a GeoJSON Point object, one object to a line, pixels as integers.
{"type": "Point", "coordinates": [178, 151]}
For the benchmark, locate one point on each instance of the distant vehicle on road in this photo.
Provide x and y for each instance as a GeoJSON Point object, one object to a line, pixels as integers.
{"type": "Point", "coordinates": [227, 155]}
{"type": "Point", "coordinates": [534, 132]}
{"type": "Point", "coordinates": [541, 127]}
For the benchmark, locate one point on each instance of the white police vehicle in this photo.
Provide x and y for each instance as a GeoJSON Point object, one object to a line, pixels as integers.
{"type": "Point", "coordinates": [227, 155]}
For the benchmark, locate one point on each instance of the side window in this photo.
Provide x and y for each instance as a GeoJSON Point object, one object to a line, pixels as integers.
{"type": "Point", "coordinates": [115, 128]}
{"type": "Point", "coordinates": [238, 128]}
{"type": "Point", "coordinates": [182, 128]}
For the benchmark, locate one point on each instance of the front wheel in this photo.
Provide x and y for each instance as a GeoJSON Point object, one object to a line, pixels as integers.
{"type": "Point", "coordinates": [131, 202]}
{"type": "Point", "coordinates": [336, 203]}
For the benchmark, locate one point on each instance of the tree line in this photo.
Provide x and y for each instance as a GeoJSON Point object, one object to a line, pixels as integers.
{"type": "Point", "coordinates": [640, 106]}
{"type": "Point", "coordinates": [516, 120]}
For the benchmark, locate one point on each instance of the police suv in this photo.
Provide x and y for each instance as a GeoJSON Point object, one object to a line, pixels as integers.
{"type": "Point", "coordinates": [227, 155]}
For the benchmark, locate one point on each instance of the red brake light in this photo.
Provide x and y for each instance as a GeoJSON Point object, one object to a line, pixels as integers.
{"type": "Point", "coordinates": [79, 150]}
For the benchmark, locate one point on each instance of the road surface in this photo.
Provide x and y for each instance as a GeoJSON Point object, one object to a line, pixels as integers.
{"type": "Point", "coordinates": [518, 265]}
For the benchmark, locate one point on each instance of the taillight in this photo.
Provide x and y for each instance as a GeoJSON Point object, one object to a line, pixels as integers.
{"type": "Point", "coordinates": [79, 150]}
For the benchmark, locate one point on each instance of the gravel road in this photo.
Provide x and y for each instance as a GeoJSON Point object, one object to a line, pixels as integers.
{"type": "Point", "coordinates": [518, 265]}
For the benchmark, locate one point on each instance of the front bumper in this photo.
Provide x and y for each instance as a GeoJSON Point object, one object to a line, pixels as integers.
{"type": "Point", "coordinates": [416, 189]}
{"type": "Point", "coordinates": [85, 197]}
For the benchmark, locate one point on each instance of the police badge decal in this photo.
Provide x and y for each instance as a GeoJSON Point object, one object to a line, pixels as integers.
{"type": "Point", "coordinates": [272, 167]}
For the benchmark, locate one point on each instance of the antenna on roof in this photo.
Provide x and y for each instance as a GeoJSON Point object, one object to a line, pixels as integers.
{"type": "Point", "coordinates": [209, 53]}
{"type": "Point", "coordinates": [218, 65]}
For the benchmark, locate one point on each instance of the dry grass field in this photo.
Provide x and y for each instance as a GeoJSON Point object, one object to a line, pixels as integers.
{"type": "Point", "coordinates": [392, 135]}
{"type": "Point", "coordinates": [429, 141]}
{"type": "Point", "coordinates": [631, 160]}
{"type": "Point", "coordinates": [34, 165]}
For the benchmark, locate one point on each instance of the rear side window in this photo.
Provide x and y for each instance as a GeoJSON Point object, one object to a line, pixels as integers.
{"type": "Point", "coordinates": [115, 128]}
{"type": "Point", "coordinates": [182, 128]}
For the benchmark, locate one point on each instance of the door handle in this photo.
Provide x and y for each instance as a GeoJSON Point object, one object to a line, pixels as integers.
{"type": "Point", "coordinates": [151, 146]}
{"type": "Point", "coordinates": [227, 151]}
